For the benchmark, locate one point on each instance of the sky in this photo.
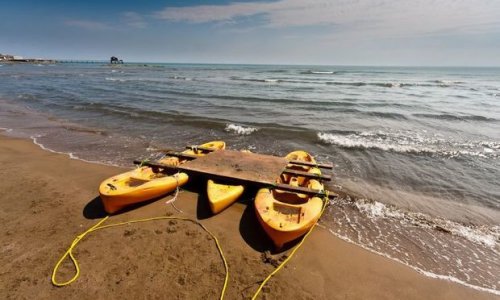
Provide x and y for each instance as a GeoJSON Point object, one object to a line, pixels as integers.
{"type": "Point", "coordinates": [306, 32]}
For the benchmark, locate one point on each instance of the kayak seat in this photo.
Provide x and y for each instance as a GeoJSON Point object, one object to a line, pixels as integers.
{"type": "Point", "coordinates": [136, 181]}
{"type": "Point", "coordinates": [293, 213]}
{"type": "Point", "coordinates": [290, 197]}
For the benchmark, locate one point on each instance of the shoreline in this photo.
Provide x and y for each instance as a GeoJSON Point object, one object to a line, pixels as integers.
{"type": "Point", "coordinates": [62, 201]}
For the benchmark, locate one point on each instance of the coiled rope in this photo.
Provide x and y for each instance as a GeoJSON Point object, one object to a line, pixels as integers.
{"type": "Point", "coordinates": [98, 226]}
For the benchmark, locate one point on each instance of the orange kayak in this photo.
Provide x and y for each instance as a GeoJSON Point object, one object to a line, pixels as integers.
{"type": "Point", "coordinates": [286, 216]}
{"type": "Point", "coordinates": [143, 184]}
{"type": "Point", "coordinates": [220, 195]}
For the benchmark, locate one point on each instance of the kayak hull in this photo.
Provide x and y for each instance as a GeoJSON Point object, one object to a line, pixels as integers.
{"type": "Point", "coordinates": [143, 184]}
{"type": "Point", "coordinates": [136, 186]}
{"type": "Point", "coordinates": [286, 216]}
{"type": "Point", "coordinates": [175, 161]}
{"type": "Point", "coordinates": [284, 222]}
{"type": "Point", "coordinates": [220, 196]}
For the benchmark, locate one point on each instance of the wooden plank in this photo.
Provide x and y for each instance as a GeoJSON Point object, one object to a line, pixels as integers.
{"type": "Point", "coordinates": [181, 155]}
{"type": "Point", "coordinates": [243, 181]}
{"type": "Point", "coordinates": [303, 190]}
{"type": "Point", "coordinates": [208, 149]}
{"type": "Point", "coordinates": [306, 163]}
{"type": "Point", "coordinates": [308, 175]}
{"type": "Point", "coordinates": [239, 166]}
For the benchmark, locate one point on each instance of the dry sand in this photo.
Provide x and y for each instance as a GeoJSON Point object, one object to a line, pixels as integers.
{"type": "Point", "coordinates": [46, 199]}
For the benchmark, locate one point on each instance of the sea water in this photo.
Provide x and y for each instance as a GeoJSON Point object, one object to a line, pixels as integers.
{"type": "Point", "coordinates": [415, 149]}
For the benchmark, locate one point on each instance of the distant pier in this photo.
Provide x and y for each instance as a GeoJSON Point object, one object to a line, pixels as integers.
{"type": "Point", "coordinates": [15, 59]}
{"type": "Point", "coordinates": [73, 61]}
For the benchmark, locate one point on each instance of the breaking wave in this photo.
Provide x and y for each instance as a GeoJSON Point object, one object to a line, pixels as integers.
{"type": "Point", "coordinates": [264, 80]}
{"type": "Point", "coordinates": [115, 79]}
{"type": "Point", "coordinates": [484, 235]}
{"type": "Point", "coordinates": [240, 130]}
{"type": "Point", "coordinates": [412, 142]}
{"type": "Point", "coordinates": [434, 246]}
{"type": "Point", "coordinates": [181, 78]}
{"type": "Point", "coordinates": [318, 72]}
{"type": "Point", "coordinates": [388, 84]}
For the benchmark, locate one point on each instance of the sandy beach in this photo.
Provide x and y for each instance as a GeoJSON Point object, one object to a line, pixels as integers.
{"type": "Point", "coordinates": [47, 199]}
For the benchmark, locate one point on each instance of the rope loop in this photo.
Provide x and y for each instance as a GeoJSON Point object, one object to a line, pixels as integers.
{"type": "Point", "coordinates": [98, 226]}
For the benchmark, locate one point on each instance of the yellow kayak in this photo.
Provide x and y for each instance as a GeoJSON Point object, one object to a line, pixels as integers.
{"type": "Point", "coordinates": [144, 184]}
{"type": "Point", "coordinates": [286, 216]}
{"type": "Point", "coordinates": [221, 196]}
{"type": "Point", "coordinates": [175, 161]}
{"type": "Point", "coordinates": [136, 186]}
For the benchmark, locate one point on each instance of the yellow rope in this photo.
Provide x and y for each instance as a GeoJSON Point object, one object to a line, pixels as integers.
{"type": "Point", "coordinates": [291, 253]}
{"type": "Point", "coordinates": [73, 259]}
{"type": "Point", "coordinates": [98, 227]}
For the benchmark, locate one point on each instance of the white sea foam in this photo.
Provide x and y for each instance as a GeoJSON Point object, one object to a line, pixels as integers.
{"type": "Point", "coordinates": [360, 141]}
{"type": "Point", "coordinates": [239, 129]}
{"type": "Point", "coordinates": [487, 236]}
{"type": "Point", "coordinates": [449, 82]}
{"type": "Point", "coordinates": [420, 270]}
{"type": "Point", "coordinates": [377, 209]}
{"type": "Point", "coordinates": [115, 79]}
{"type": "Point", "coordinates": [265, 80]}
{"type": "Point", "coordinates": [375, 228]}
{"type": "Point", "coordinates": [36, 137]}
{"type": "Point", "coordinates": [322, 72]}
{"type": "Point", "coordinates": [474, 235]}
{"type": "Point", "coordinates": [412, 142]}
{"type": "Point", "coordinates": [181, 78]}
{"type": "Point", "coordinates": [393, 84]}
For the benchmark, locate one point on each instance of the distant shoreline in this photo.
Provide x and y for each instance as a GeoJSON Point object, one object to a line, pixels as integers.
{"type": "Point", "coordinates": [104, 61]}
{"type": "Point", "coordinates": [28, 61]}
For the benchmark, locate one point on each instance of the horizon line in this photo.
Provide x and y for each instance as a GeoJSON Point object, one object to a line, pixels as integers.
{"type": "Point", "coordinates": [281, 64]}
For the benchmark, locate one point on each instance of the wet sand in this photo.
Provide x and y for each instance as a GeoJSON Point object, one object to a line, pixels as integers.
{"type": "Point", "coordinates": [47, 199]}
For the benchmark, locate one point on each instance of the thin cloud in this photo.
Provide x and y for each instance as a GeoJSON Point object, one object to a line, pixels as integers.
{"type": "Point", "coordinates": [383, 17]}
{"type": "Point", "coordinates": [88, 25]}
{"type": "Point", "coordinates": [212, 13]}
{"type": "Point", "coordinates": [134, 20]}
